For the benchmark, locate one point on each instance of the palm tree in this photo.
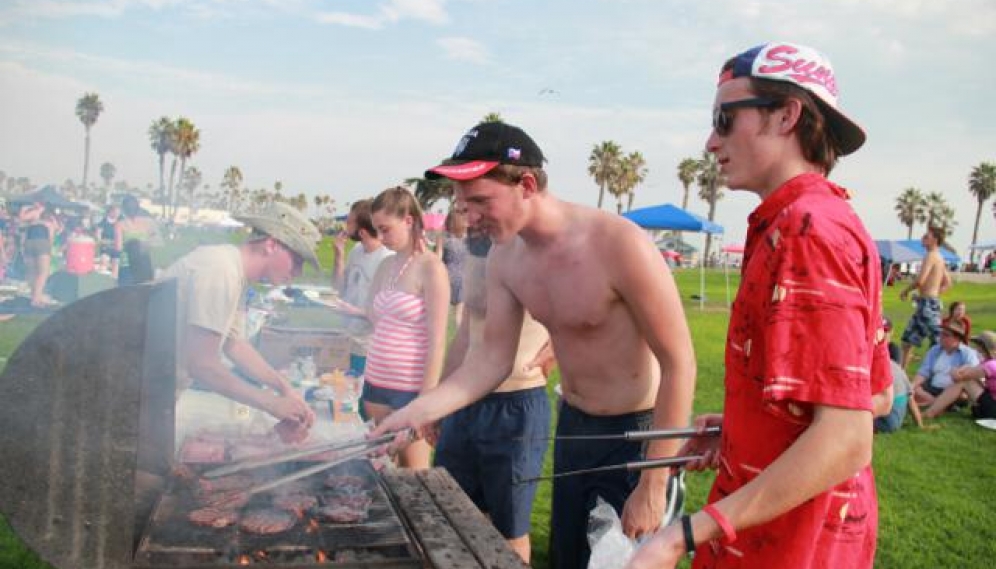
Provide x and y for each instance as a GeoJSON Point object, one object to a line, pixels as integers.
{"type": "Point", "coordinates": [191, 182]}
{"type": "Point", "coordinates": [492, 117]}
{"type": "Point", "coordinates": [230, 185]}
{"type": "Point", "coordinates": [982, 184]}
{"type": "Point", "coordinates": [107, 172]}
{"type": "Point", "coordinates": [911, 207]}
{"type": "Point", "coordinates": [634, 172]}
{"type": "Point", "coordinates": [603, 165]}
{"type": "Point", "coordinates": [688, 169]}
{"type": "Point", "coordinates": [187, 141]}
{"type": "Point", "coordinates": [710, 183]}
{"type": "Point", "coordinates": [428, 192]}
{"type": "Point", "coordinates": [88, 108]}
{"type": "Point", "coordinates": [161, 135]}
{"type": "Point", "coordinates": [940, 214]}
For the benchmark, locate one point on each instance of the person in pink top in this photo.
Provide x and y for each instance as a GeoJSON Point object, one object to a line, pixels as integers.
{"type": "Point", "coordinates": [408, 306]}
{"type": "Point", "coordinates": [805, 351]}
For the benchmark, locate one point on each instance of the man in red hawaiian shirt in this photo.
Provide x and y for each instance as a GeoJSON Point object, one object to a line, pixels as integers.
{"type": "Point", "coordinates": [804, 351]}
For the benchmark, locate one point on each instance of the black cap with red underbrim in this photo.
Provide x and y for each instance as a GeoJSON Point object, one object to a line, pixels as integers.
{"type": "Point", "coordinates": [486, 146]}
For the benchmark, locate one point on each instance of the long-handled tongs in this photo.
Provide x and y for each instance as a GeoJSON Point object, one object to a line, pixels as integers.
{"type": "Point", "coordinates": [652, 435]}
{"type": "Point", "coordinates": [635, 465]}
{"type": "Point", "coordinates": [368, 445]}
{"type": "Point", "coordinates": [659, 434]}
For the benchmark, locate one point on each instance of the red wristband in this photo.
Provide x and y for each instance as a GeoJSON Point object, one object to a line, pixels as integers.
{"type": "Point", "coordinates": [729, 534]}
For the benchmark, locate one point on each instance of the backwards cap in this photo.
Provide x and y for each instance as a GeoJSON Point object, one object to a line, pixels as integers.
{"type": "Point", "coordinates": [807, 68]}
{"type": "Point", "coordinates": [486, 146]}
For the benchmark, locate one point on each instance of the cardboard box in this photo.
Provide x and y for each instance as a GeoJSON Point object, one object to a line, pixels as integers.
{"type": "Point", "coordinates": [281, 345]}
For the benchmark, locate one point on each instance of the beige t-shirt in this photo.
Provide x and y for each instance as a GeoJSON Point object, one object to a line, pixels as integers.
{"type": "Point", "coordinates": [210, 290]}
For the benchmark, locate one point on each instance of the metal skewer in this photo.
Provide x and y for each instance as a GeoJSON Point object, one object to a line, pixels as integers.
{"type": "Point", "coordinates": [652, 435]}
{"type": "Point", "coordinates": [296, 454]}
{"type": "Point", "coordinates": [635, 465]}
{"type": "Point", "coordinates": [309, 470]}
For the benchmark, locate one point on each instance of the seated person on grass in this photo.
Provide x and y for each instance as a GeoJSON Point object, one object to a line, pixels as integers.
{"type": "Point", "coordinates": [978, 382]}
{"type": "Point", "coordinates": [934, 375]}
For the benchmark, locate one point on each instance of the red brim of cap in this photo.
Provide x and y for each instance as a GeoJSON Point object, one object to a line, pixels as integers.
{"type": "Point", "coordinates": [464, 171]}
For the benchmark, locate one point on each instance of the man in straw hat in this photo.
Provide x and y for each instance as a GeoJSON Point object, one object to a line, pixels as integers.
{"type": "Point", "coordinates": [211, 287]}
{"type": "Point", "coordinates": [936, 372]}
{"type": "Point", "coordinates": [614, 317]}
{"type": "Point", "coordinates": [805, 352]}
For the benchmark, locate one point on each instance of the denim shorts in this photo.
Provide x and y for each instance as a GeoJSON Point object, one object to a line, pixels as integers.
{"type": "Point", "coordinates": [490, 444]}
{"type": "Point", "coordinates": [391, 397]}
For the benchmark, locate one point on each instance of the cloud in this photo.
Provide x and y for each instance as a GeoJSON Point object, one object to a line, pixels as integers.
{"type": "Point", "coordinates": [392, 12]}
{"type": "Point", "coordinates": [464, 49]}
{"type": "Point", "coordinates": [351, 20]}
{"type": "Point", "coordinates": [136, 71]}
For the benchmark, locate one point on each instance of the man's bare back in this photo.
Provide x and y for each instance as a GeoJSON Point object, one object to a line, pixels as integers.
{"type": "Point", "coordinates": [569, 284]}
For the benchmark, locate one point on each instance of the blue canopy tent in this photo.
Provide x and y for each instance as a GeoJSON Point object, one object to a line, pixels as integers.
{"type": "Point", "coordinates": [896, 252]}
{"type": "Point", "coordinates": [667, 216]}
{"type": "Point", "coordinates": [950, 258]}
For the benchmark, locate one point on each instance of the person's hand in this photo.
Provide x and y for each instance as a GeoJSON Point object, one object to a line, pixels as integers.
{"type": "Point", "coordinates": [706, 446]}
{"type": "Point", "coordinates": [292, 407]}
{"type": "Point", "coordinates": [407, 422]}
{"type": "Point", "coordinates": [644, 509]}
{"type": "Point", "coordinates": [662, 551]}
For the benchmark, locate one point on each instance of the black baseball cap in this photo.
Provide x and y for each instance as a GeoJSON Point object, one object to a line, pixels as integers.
{"type": "Point", "coordinates": [486, 146]}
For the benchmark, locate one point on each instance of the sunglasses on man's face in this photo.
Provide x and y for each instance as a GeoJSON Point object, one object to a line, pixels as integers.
{"type": "Point", "coordinates": [722, 116]}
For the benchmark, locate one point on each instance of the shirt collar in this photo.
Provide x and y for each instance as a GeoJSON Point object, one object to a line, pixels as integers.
{"type": "Point", "coordinates": [790, 191]}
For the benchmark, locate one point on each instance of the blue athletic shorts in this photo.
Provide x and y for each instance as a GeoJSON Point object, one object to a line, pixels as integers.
{"type": "Point", "coordinates": [925, 322]}
{"type": "Point", "coordinates": [575, 496]}
{"type": "Point", "coordinates": [391, 397]}
{"type": "Point", "coordinates": [488, 445]}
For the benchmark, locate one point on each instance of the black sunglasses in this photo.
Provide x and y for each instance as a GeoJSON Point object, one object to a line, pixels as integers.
{"type": "Point", "coordinates": [722, 117]}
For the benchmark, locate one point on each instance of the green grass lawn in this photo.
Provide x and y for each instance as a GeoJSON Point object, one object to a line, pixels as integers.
{"type": "Point", "coordinates": [937, 506]}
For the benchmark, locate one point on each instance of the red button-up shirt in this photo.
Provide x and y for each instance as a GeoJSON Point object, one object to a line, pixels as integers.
{"type": "Point", "coordinates": [804, 331]}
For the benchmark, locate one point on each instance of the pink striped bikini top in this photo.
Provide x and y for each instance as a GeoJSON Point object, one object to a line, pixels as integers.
{"type": "Point", "coordinates": [399, 345]}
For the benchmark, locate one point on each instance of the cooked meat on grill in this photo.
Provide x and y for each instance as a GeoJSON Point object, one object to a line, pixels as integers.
{"type": "Point", "coordinates": [358, 500]}
{"type": "Point", "coordinates": [341, 514]}
{"type": "Point", "coordinates": [201, 449]}
{"type": "Point", "coordinates": [206, 486]}
{"type": "Point", "coordinates": [267, 521]}
{"type": "Point", "coordinates": [227, 500]}
{"type": "Point", "coordinates": [213, 517]}
{"type": "Point", "coordinates": [347, 483]}
{"type": "Point", "coordinates": [291, 432]}
{"type": "Point", "coordinates": [296, 504]}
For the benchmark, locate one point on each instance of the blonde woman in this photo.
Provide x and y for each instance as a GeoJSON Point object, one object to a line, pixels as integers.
{"type": "Point", "coordinates": [408, 306]}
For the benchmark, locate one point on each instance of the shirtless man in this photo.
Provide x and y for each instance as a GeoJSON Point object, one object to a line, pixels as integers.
{"type": "Point", "coordinates": [614, 316]}
{"type": "Point", "coordinates": [930, 284]}
{"type": "Point", "coordinates": [489, 444]}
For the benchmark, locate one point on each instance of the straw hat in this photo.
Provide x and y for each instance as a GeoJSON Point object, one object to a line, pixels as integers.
{"type": "Point", "coordinates": [986, 341]}
{"type": "Point", "coordinates": [288, 226]}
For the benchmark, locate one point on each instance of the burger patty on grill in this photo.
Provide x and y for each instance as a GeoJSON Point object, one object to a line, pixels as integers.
{"type": "Point", "coordinates": [213, 517]}
{"type": "Point", "coordinates": [267, 521]}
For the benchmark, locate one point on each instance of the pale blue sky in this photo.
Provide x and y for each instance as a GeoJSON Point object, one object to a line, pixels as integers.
{"type": "Point", "coordinates": [348, 97]}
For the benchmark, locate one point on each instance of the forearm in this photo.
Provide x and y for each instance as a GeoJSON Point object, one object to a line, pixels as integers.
{"type": "Point", "coordinates": [245, 356]}
{"type": "Point", "coordinates": [213, 375]}
{"type": "Point", "coordinates": [834, 447]}
{"type": "Point", "coordinates": [474, 379]}
{"type": "Point", "coordinates": [672, 410]}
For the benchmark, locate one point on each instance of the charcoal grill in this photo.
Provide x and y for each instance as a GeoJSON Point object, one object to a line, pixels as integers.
{"type": "Point", "coordinates": [86, 440]}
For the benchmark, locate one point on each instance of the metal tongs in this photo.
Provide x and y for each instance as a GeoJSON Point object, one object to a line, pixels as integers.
{"type": "Point", "coordinates": [660, 434]}
{"type": "Point", "coordinates": [367, 446]}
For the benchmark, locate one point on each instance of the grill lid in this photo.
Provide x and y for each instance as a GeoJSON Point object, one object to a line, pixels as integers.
{"type": "Point", "coordinates": [77, 396]}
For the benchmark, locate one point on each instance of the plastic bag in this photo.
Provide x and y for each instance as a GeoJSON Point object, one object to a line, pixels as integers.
{"type": "Point", "coordinates": [610, 548]}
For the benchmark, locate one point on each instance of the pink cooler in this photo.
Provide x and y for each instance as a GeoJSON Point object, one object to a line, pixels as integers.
{"type": "Point", "coordinates": [80, 253]}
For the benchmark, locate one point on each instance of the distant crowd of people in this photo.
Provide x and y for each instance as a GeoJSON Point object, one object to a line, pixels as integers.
{"type": "Point", "coordinates": [37, 237]}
